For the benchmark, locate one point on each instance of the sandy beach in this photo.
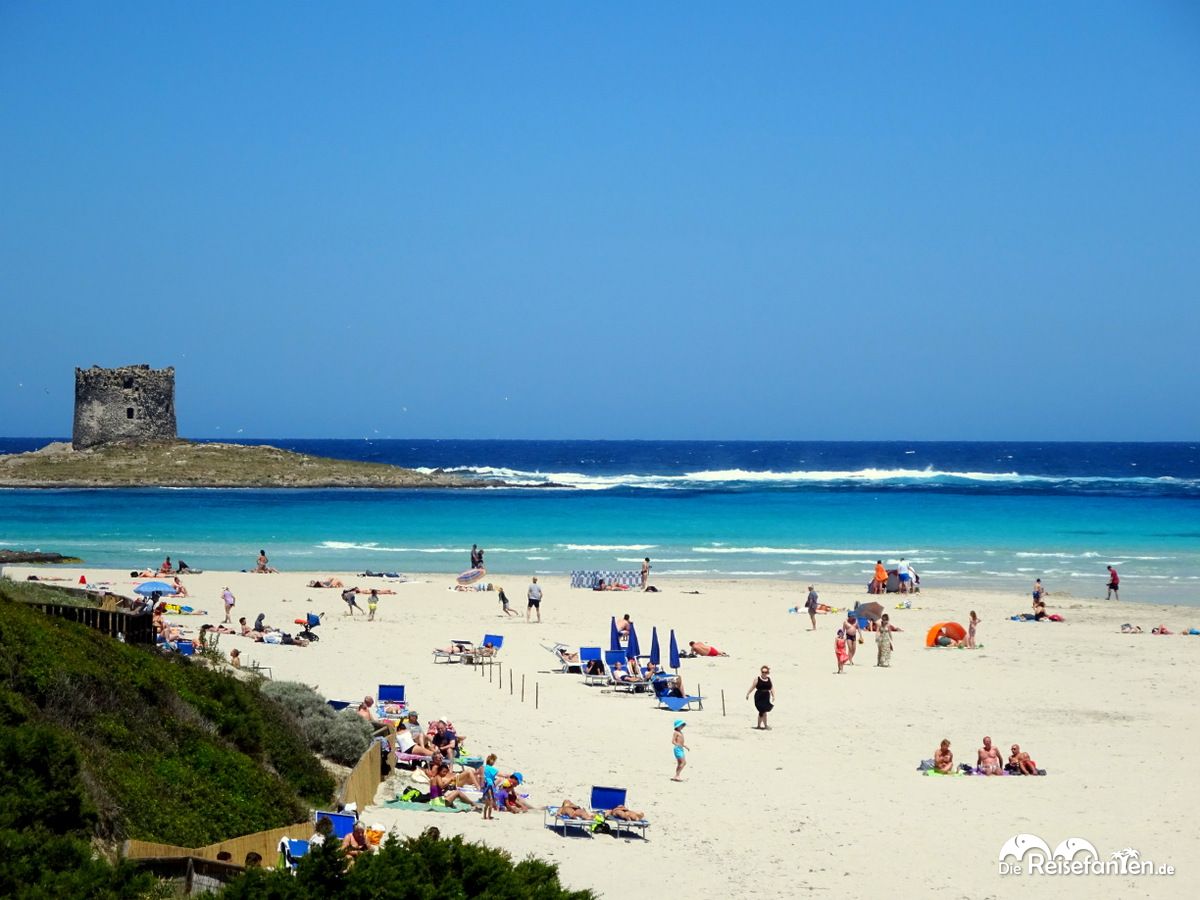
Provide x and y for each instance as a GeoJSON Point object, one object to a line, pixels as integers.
{"type": "Point", "coordinates": [826, 803]}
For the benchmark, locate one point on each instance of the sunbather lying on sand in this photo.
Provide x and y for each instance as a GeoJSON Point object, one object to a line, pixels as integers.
{"type": "Point", "coordinates": [699, 648]}
{"type": "Point", "coordinates": [1131, 629]}
{"type": "Point", "coordinates": [569, 810]}
{"type": "Point", "coordinates": [1161, 629]}
{"type": "Point", "coordinates": [329, 582]}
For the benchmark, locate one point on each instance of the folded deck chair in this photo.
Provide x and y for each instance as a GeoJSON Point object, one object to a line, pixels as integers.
{"type": "Point", "coordinates": [455, 655]}
{"type": "Point", "coordinates": [604, 799]}
{"type": "Point", "coordinates": [675, 704]}
{"type": "Point", "coordinates": [551, 819]}
{"type": "Point", "coordinates": [475, 658]}
{"type": "Point", "coordinates": [343, 823]}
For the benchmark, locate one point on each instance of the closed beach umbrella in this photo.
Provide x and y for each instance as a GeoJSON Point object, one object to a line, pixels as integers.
{"type": "Point", "coordinates": [673, 659]}
{"type": "Point", "coordinates": [633, 648]}
{"type": "Point", "coordinates": [655, 656]}
{"type": "Point", "coordinates": [151, 586]}
{"type": "Point", "coordinates": [614, 637]}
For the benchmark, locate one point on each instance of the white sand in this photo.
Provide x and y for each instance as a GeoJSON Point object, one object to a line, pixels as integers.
{"type": "Point", "coordinates": [828, 802]}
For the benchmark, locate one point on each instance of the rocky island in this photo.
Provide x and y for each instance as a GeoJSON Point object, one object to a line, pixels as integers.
{"type": "Point", "coordinates": [125, 436]}
{"type": "Point", "coordinates": [186, 464]}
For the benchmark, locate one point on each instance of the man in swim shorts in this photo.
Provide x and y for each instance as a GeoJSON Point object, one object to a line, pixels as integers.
{"type": "Point", "coordinates": [989, 762]}
{"type": "Point", "coordinates": [943, 760]}
{"type": "Point", "coordinates": [1114, 584]}
{"type": "Point", "coordinates": [534, 596]}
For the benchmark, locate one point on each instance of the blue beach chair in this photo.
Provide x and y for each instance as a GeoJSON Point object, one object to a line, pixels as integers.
{"type": "Point", "coordinates": [675, 704]}
{"type": "Point", "coordinates": [551, 819]}
{"type": "Point", "coordinates": [589, 655]}
{"type": "Point", "coordinates": [393, 695]}
{"type": "Point", "coordinates": [343, 823]}
{"type": "Point", "coordinates": [292, 851]}
{"type": "Point", "coordinates": [474, 658]}
{"type": "Point", "coordinates": [605, 799]}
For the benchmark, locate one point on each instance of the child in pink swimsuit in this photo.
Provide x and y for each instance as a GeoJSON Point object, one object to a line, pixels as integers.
{"type": "Point", "coordinates": [840, 651]}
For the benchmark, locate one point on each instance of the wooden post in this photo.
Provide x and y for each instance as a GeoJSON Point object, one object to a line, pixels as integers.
{"type": "Point", "coordinates": [536, 691]}
{"type": "Point", "coordinates": [722, 701]}
{"type": "Point", "coordinates": [491, 673]}
{"type": "Point", "coordinates": [522, 687]}
{"type": "Point", "coordinates": [510, 683]}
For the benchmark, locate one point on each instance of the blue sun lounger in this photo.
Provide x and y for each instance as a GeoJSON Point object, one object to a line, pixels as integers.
{"type": "Point", "coordinates": [343, 823]}
{"type": "Point", "coordinates": [590, 655]}
{"type": "Point", "coordinates": [551, 819]}
{"type": "Point", "coordinates": [675, 704]}
{"type": "Point", "coordinates": [605, 799]}
{"type": "Point", "coordinates": [292, 851]}
{"type": "Point", "coordinates": [474, 658]}
{"type": "Point", "coordinates": [455, 655]}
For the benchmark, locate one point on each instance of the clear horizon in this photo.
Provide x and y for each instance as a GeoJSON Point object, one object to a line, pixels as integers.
{"type": "Point", "coordinates": [877, 222]}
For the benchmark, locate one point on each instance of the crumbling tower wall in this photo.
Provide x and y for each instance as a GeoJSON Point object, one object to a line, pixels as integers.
{"type": "Point", "coordinates": [129, 405]}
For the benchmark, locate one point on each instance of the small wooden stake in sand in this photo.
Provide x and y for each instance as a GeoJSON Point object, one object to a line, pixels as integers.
{"type": "Point", "coordinates": [522, 687]}
{"type": "Point", "coordinates": [510, 683]}
{"type": "Point", "coordinates": [536, 692]}
{"type": "Point", "coordinates": [722, 701]}
{"type": "Point", "coordinates": [491, 674]}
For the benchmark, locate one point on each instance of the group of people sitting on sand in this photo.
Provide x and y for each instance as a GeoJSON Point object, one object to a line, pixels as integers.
{"type": "Point", "coordinates": [1039, 613]}
{"type": "Point", "coordinates": [988, 761]}
{"type": "Point", "coordinates": [166, 568]}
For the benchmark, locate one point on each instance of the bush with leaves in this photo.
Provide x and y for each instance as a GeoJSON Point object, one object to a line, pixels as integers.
{"type": "Point", "coordinates": [342, 737]}
{"type": "Point", "coordinates": [412, 869]}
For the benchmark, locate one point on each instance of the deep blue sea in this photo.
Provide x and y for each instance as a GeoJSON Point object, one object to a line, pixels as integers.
{"type": "Point", "coordinates": [995, 514]}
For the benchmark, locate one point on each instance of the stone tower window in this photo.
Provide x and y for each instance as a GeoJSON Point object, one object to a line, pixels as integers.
{"type": "Point", "coordinates": [129, 412]}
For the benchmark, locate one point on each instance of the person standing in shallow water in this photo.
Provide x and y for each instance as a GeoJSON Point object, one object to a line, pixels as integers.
{"type": "Point", "coordinates": [764, 696]}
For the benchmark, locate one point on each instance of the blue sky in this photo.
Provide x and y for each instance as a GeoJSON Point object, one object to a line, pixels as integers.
{"type": "Point", "coordinates": [842, 221]}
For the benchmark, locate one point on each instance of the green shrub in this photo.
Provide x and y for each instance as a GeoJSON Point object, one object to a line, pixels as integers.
{"type": "Point", "coordinates": [413, 869]}
{"type": "Point", "coordinates": [346, 738]}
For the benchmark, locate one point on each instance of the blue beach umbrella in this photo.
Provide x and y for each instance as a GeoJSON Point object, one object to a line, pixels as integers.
{"type": "Point", "coordinates": [674, 657]}
{"type": "Point", "coordinates": [614, 637]}
{"type": "Point", "coordinates": [151, 586]}
{"type": "Point", "coordinates": [655, 656]}
{"type": "Point", "coordinates": [632, 648]}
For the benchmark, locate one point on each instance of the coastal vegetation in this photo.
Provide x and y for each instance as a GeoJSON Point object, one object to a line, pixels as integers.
{"type": "Point", "coordinates": [164, 750]}
{"type": "Point", "coordinates": [412, 869]}
{"type": "Point", "coordinates": [187, 464]}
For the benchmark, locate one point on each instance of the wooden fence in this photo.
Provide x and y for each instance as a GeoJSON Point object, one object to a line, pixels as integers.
{"type": "Point", "coordinates": [137, 628]}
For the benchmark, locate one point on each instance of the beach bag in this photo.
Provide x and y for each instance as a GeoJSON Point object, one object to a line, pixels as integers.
{"type": "Point", "coordinates": [600, 826]}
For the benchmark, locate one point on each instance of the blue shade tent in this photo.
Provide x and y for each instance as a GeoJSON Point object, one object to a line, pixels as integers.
{"type": "Point", "coordinates": [151, 586]}
{"type": "Point", "coordinates": [614, 637]}
{"type": "Point", "coordinates": [632, 648]}
{"type": "Point", "coordinates": [673, 659]}
{"type": "Point", "coordinates": [655, 656]}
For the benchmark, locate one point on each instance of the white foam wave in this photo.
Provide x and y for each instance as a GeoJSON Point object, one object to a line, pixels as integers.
{"type": "Point", "coordinates": [663, 559]}
{"type": "Point", "coordinates": [607, 548]}
{"type": "Point", "coordinates": [807, 551]}
{"type": "Point", "coordinates": [375, 547]}
{"type": "Point", "coordinates": [585, 481]}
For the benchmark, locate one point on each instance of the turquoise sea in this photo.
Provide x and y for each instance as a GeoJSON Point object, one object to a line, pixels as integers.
{"type": "Point", "coordinates": [963, 513]}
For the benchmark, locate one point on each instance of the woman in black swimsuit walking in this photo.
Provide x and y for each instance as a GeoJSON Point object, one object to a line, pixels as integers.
{"type": "Point", "coordinates": [764, 696]}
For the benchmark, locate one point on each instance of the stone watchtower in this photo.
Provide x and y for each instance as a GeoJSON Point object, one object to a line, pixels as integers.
{"type": "Point", "coordinates": [129, 405]}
